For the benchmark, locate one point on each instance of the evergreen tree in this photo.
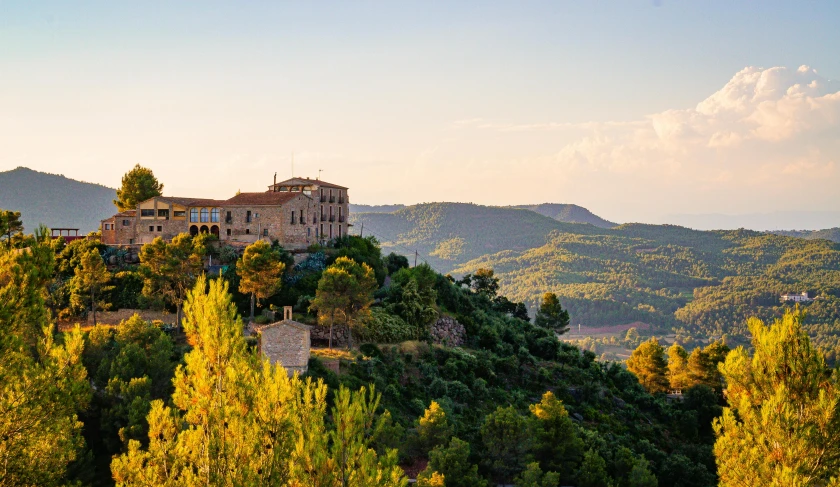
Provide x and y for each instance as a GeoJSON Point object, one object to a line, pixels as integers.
{"type": "Point", "coordinates": [556, 445]}
{"type": "Point", "coordinates": [782, 426]}
{"type": "Point", "coordinates": [345, 289]}
{"type": "Point", "coordinates": [89, 277]}
{"type": "Point", "coordinates": [641, 476]}
{"type": "Point", "coordinates": [699, 368]}
{"type": "Point", "coordinates": [138, 185]}
{"type": "Point", "coordinates": [551, 315]}
{"type": "Point", "coordinates": [260, 271]}
{"type": "Point", "coordinates": [433, 479]}
{"type": "Point", "coordinates": [507, 442]}
{"type": "Point", "coordinates": [648, 363]}
{"type": "Point", "coordinates": [452, 462]}
{"type": "Point", "coordinates": [593, 471]}
{"type": "Point", "coordinates": [678, 368]}
{"type": "Point", "coordinates": [433, 428]}
{"type": "Point", "coordinates": [42, 384]}
{"type": "Point", "coordinates": [484, 282]}
{"type": "Point", "coordinates": [533, 476]}
{"type": "Point", "coordinates": [171, 269]}
{"type": "Point", "coordinates": [10, 225]}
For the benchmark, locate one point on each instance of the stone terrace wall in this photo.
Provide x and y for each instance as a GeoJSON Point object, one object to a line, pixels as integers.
{"type": "Point", "coordinates": [322, 334]}
{"type": "Point", "coordinates": [447, 331]}
{"type": "Point", "coordinates": [115, 317]}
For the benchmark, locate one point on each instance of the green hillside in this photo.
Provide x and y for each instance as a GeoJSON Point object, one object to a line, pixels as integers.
{"type": "Point", "coordinates": [54, 200]}
{"type": "Point", "coordinates": [832, 234]}
{"type": "Point", "coordinates": [449, 234]}
{"type": "Point", "coordinates": [673, 277]}
{"type": "Point", "coordinates": [569, 214]}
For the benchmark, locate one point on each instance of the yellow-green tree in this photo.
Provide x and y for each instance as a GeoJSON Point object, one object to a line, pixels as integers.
{"type": "Point", "coordinates": [10, 225]}
{"type": "Point", "coordinates": [678, 377]}
{"type": "Point", "coordinates": [433, 428]}
{"type": "Point", "coordinates": [138, 185]}
{"type": "Point", "coordinates": [782, 426]}
{"type": "Point", "coordinates": [533, 476]}
{"type": "Point", "coordinates": [556, 444]}
{"type": "Point", "coordinates": [345, 290]}
{"type": "Point", "coordinates": [42, 384]}
{"type": "Point", "coordinates": [170, 269]}
{"type": "Point", "coordinates": [260, 271]}
{"type": "Point", "coordinates": [89, 277]}
{"type": "Point", "coordinates": [648, 363]}
{"type": "Point", "coordinates": [238, 420]}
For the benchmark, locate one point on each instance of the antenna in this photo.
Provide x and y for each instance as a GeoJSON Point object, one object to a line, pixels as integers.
{"type": "Point", "coordinates": [319, 174]}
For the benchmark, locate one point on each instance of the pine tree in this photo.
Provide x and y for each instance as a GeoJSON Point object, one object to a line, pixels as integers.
{"type": "Point", "coordinates": [345, 289]}
{"type": "Point", "coordinates": [10, 225]}
{"type": "Point", "coordinates": [648, 363]}
{"type": "Point", "coordinates": [507, 442]}
{"type": "Point", "coordinates": [171, 269]}
{"type": "Point", "coordinates": [533, 476]}
{"type": "Point", "coordinates": [260, 270]}
{"type": "Point", "coordinates": [782, 426]}
{"type": "Point", "coordinates": [678, 368]}
{"type": "Point", "coordinates": [89, 277]}
{"type": "Point", "coordinates": [551, 315]}
{"type": "Point", "coordinates": [433, 428]}
{"type": "Point", "coordinates": [593, 471]}
{"type": "Point", "coordinates": [138, 185]}
{"type": "Point", "coordinates": [452, 462]}
{"type": "Point", "coordinates": [641, 476]}
{"type": "Point", "coordinates": [556, 445]}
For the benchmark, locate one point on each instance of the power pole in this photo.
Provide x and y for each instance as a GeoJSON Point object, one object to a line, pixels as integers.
{"type": "Point", "coordinates": [415, 258]}
{"type": "Point", "coordinates": [362, 231]}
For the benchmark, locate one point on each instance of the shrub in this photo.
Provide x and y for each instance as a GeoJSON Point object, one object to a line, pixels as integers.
{"type": "Point", "coordinates": [383, 327]}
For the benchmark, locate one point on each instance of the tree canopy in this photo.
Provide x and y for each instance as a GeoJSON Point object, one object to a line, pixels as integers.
{"type": "Point", "coordinates": [260, 272]}
{"type": "Point", "coordinates": [138, 184]}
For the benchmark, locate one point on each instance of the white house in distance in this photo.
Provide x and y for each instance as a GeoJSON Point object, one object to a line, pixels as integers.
{"type": "Point", "coordinates": [797, 298]}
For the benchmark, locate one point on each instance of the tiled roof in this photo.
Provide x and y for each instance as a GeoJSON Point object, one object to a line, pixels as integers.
{"type": "Point", "coordinates": [303, 181]}
{"type": "Point", "coordinates": [190, 201]}
{"type": "Point", "coordinates": [122, 214]}
{"type": "Point", "coordinates": [261, 199]}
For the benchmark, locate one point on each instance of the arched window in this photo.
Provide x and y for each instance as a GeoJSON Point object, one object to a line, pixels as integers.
{"type": "Point", "coordinates": [214, 215]}
{"type": "Point", "coordinates": [193, 214]}
{"type": "Point", "coordinates": [204, 215]}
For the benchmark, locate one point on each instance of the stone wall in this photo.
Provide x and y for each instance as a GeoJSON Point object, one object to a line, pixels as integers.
{"type": "Point", "coordinates": [447, 331]}
{"type": "Point", "coordinates": [274, 222]}
{"type": "Point", "coordinates": [115, 317]}
{"type": "Point", "coordinates": [288, 344]}
{"type": "Point", "coordinates": [322, 334]}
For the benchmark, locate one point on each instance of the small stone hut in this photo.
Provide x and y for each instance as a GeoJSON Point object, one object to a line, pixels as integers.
{"type": "Point", "coordinates": [286, 342]}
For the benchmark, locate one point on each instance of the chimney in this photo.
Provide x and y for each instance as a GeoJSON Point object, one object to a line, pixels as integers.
{"type": "Point", "coordinates": [287, 313]}
{"type": "Point", "coordinates": [275, 178]}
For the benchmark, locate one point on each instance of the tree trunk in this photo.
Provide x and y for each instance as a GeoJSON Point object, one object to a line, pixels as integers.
{"type": "Point", "coordinates": [251, 319]}
{"type": "Point", "coordinates": [178, 316]}
{"type": "Point", "coordinates": [332, 319]}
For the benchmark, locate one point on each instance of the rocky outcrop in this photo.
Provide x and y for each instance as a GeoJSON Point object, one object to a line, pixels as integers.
{"type": "Point", "coordinates": [447, 331]}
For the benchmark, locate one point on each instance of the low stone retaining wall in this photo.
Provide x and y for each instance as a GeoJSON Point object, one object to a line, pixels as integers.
{"type": "Point", "coordinates": [115, 317]}
{"type": "Point", "coordinates": [447, 331]}
{"type": "Point", "coordinates": [322, 334]}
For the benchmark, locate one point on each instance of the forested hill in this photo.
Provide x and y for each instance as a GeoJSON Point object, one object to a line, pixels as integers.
{"type": "Point", "coordinates": [54, 200]}
{"type": "Point", "coordinates": [449, 234]}
{"type": "Point", "coordinates": [569, 214]}
{"type": "Point", "coordinates": [832, 234]}
{"type": "Point", "coordinates": [708, 282]}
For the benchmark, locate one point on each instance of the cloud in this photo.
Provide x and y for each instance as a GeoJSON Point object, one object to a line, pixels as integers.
{"type": "Point", "coordinates": [765, 132]}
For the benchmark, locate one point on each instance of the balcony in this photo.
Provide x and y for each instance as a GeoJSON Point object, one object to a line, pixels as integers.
{"type": "Point", "coordinates": [332, 218]}
{"type": "Point", "coordinates": [342, 219]}
{"type": "Point", "coordinates": [332, 199]}
{"type": "Point", "coordinates": [302, 221]}
{"type": "Point", "coordinates": [340, 200]}
{"type": "Point", "coordinates": [294, 220]}
{"type": "Point", "coordinates": [323, 199]}
{"type": "Point", "coordinates": [323, 217]}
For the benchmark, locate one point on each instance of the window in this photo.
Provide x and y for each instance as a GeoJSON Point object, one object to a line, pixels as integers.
{"type": "Point", "coordinates": [214, 215]}
{"type": "Point", "coordinates": [163, 214]}
{"type": "Point", "coordinates": [126, 223]}
{"type": "Point", "coordinates": [160, 228]}
{"type": "Point", "coordinates": [131, 241]}
{"type": "Point", "coordinates": [228, 218]}
{"type": "Point", "coordinates": [147, 213]}
{"type": "Point", "coordinates": [308, 231]}
{"type": "Point", "coordinates": [293, 217]}
{"type": "Point", "coordinates": [179, 214]}
{"type": "Point", "coordinates": [205, 216]}
{"type": "Point", "coordinates": [265, 232]}
{"type": "Point", "coordinates": [194, 215]}
{"type": "Point", "coordinates": [151, 228]}
{"type": "Point", "coordinates": [247, 231]}
{"type": "Point", "coordinates": [248, 216]}
{"type": "Point", "coordinates": [339, 230]}
{"type": "Point", "coordinates": [228, 231]}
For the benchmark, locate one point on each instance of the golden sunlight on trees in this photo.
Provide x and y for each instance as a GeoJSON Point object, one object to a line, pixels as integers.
{"type": "Point", "coordinates": [41, 386]}
{"type": "Point", "coordinates": [648, 363]}
{"type": "Point", "coordinates": [345, 289]}
{"type": "Point", "coordinates": [138, 185]}
{"type": "Point", "coordinates": [237, 420]}
{"type": "Point", "coordinates": [551, 315]}
{"type": "Point", "coordinates": [782, 426]}
{"type": "Point", "coordinates": [260, 271]}
{"type": "Point", "coordinates": [88, 278]}
{"type": "Point", "coordinates": [170, 269]}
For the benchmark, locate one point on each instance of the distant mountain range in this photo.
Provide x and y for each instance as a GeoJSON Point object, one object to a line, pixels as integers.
{"type": "Point", "coordinates": [54, 200]}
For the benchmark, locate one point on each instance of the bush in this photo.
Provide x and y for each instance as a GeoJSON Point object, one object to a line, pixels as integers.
{"type": "Point", "coordinates": [383, 327]}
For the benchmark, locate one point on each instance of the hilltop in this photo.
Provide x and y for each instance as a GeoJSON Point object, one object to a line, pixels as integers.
{"type": "Point", "coordinates": [832, 234]}
{"type": "Point", "coordinates": [54, 200]}
{"type": "Point", "coordinates": [569, 214]}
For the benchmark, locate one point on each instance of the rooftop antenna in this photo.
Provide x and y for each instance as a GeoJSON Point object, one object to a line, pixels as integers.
{"type": "Point", "coordinates": [319, 174]}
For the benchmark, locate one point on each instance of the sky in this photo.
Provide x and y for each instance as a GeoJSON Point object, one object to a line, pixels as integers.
{"type": "Point", "coordinates": [637, 110]}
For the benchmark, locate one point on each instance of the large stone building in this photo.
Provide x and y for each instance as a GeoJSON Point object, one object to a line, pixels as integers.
{"type": "Point", "coordinates": [297, 212]}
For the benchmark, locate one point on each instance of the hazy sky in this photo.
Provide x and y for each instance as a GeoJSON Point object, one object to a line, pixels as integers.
{"type": "Point", "coordinates": [634, 109]}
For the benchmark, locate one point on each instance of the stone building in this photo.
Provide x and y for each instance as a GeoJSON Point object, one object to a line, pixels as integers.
{"type": "Point", "coordinates": [297, 212]}
{"type": "Point", "coordinates": [286, 342]}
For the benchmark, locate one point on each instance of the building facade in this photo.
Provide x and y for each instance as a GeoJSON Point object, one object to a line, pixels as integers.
{"type": "Point", "coordinates": [286, 343]}
{"type": "Point", "coordinates": [291, 212]}
{"type": "Point", "coordinates": [797, 298]}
